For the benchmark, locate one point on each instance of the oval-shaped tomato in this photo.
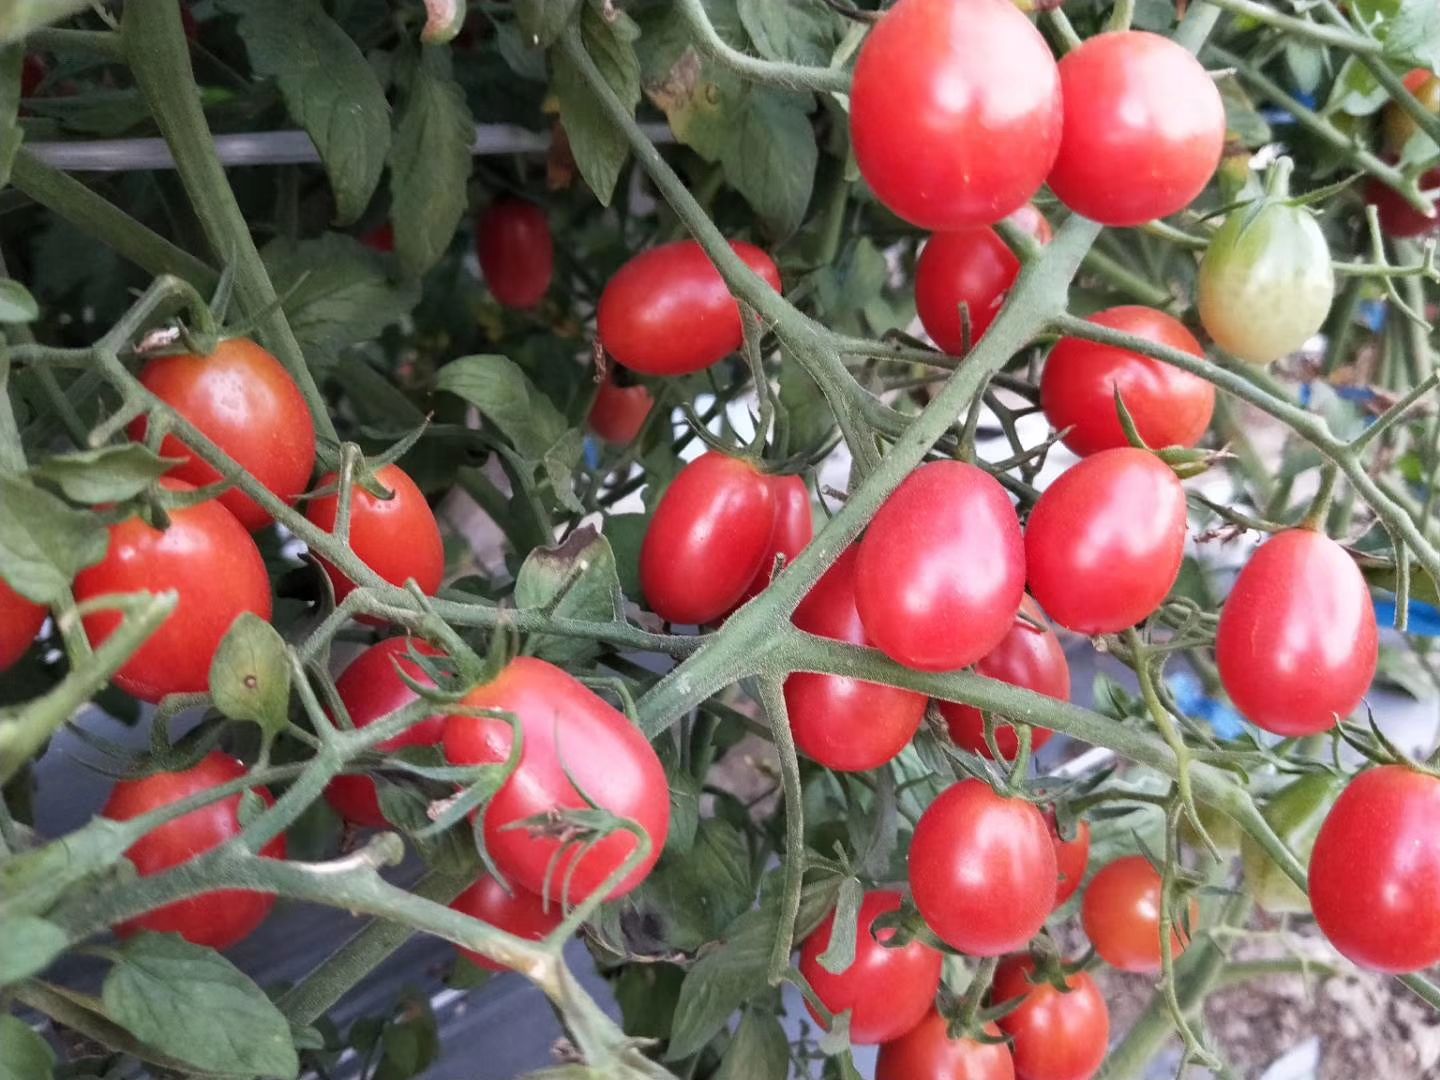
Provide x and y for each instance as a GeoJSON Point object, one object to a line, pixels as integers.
{"type": "Point", "coordinates": [926, 1052]}
{"type": "Point", "coordinates": [210, 561]}
{"type": "Point", "coordinates": [516, 251]}
{"type": "Point", "coordinates": [1170, 407]}
{"type": "Point", "coordinates": [398, 537]}
{"type": "Point", "coordinates": [941, 571]}
{"type": "Point", "coordinates": [1121, 916]}
{"type": "Point", "coordinates": [571, 738]}
{"type": "Point", "coordinates": [1397, 217]}
{"type": "Point", "coordinates": [1144, 128]}
{"type": "Point", "coordinates": [20, 621]}
{"type": "Point", "coordinates": [669, 312]}
{"type": "Point", "coordinates": [1072, 857]}
{"type": "Point", "coordinates": [516, 911]}
{"type": "Point", "coordinates": [1029, 656]}
{"type": "Point", "coordinates": [708, 538]}
{"type": "Point", "coordinates": [794, 528]}
{"type": "Point", "coordinates": [1295, 813]}
{"type": "Point", "coordinates": [1375, 871]}
{"type": "Point", "coordinates": [955, 111]}
{"type": "Point", "coordinates": [217, 919]}
{"type": "Point", "coordinates": [1297, 643]}
{"type": "Point", "coordinates": [888, 991]}
{"type": "Point", "coordinates": [619, 412]}
{"type": "Point", "coordinates": [371, 688]}
{"type": "Point", "coordinates": [243, 400]}
{"type": "Point", "coordinates": [982, 869]}
{"type": "Point", "coordinates": [1396, 123]}
{"type": "Point", "coordinates": [1104, 542]}
{"type": "Point", "coordinates": [840, 722]}
{"type": "Point", "coordinates": [1057, 1035]}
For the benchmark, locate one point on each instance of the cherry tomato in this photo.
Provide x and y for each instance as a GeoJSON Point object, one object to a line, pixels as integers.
{"type": "Point", "coordinates": [1072, 857]}
{"type": "Point", "coordinates": [794, 528]}
{"type": "Point", "coordinates": [982, 869]}
{"type": "Point", "coordinates": [1396, 123]}
{"type": "Point", "coordinates": [217, 919]}
{"type": "Point", "coordinates": [619, 412]}
{"type": "Point", "coordinates": [371, 688]}
{"type": "Point", "coordinates": [1121, 915]}
{"type": "Point", "coordinates": [708, 538]}
{"type": "Point", "coordinates": [381, 238]}
{"type": "Point", "coordinates": [1297, 643]}
{"type": "Point", "coordinates": [32, 74]}
{"type": "Point", "coordinates": [243, 400]}
{"type": "Point", "coordinates": [1170, 407]}
{"type": "Point", "coordinates": [566, 729]}
{"type": "Point", "coordinates": [926, 1052]}
{"type": "Point", "coordinates": [1104, 542]}
{"type": "Point", "coordinates": [955, 111]}
{"type": "Point", "coordinates": [941, 571]}
{"type": "Point", "coordinates": [888, 991]}
{"type": "Point", "coordinates": [517, 254]}
{"type": "Point", "coordinates": [669, 312]}
{"type": "Point", "coordinates": [1397, 217]}
{"type": "Point", "coordinates": [1144, 127]}
{"type": "Point", "coordinates": [20, 621]}
{"type": "Point", "coordinates": [209, 560]}
{"type": "Point", "coordinates": [1295, 813]}
{"type": "Point", "coordinates": [971, 266]}
{"type": "Point", "coordinates": [1375, 871]}
{"type": "Point", "coordinates": [517, 912]}
{"type": "Point", "coordinates": [1058, 1035]}
{"type": "Point", "coordinates": [1030, 656]}
{"type": "Point", "coordinates": [846, 723]}
{"type": "Point", "coordinates": [398, 537]}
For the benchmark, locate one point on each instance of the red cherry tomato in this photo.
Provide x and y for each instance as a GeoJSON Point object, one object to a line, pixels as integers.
{"type": "Point", "coordinates": [20, 621]}
{"type": "Point", "coordinates": [926, 1052]}
{"type": "Point", "coordinates": [971, 266]}
{"type": "Point", "coordinates": [888, 991]}
{"type": "Point", "coordinates": [982, 869]}
{"type": "Point", "coordinates": [217, 919]}
{"type": "Point", "coordinates": [1072, 857]}
{"type": "Point", "coordinates": [371, 688]}
{"type": "Point", "coordinates": [1030, 656]}
{"type": "Point", "coordinates": [517, 254]}
{"type": "Point", "coordinates": [707, 540]}
{"type": "Point", "coordinates": [1397, 217]}
{"type": "Point", "coordinates": [1375, 871]}
{"type": "Point", "coordinates": [1121, 915]}
{"type": "Point", "coordinates": [846, 723]}
{"type": "Point", "coordinates": [1144, 128]}
{"type": "Point", "coordinates": [516, 912]}
{"type": "Point", "coordinates": [669, 312]}
{"type": "Point", "coordinates": [566, 729]}
{"type": "Point", "coordinates": [619, 412]}
{"type": "Point", "coordinates": [941, 571]}
{"type": "Point", "coordinates": [1058, 1035]}
{"type": "Point", "coordinates": [32, 74]}
{"type": "Point", "coordinates": [208, 558]}
{"type": "Point", "coordinates": [955, 111]}
{"type": "Point", "coordinates": [1104, 542]}
{"type": "Point", "coordinates": [243, 400]}
{"type": "Point", "coordinates": [381, 238]}
{"type": "Point", "coordinates": [794, 528]}
{"type": "Point", "coordinates": [1297, 642]}
{"type": "Point", "coordinates": [398, 537]}
{"type": "Point", "coordinates": [1170, 407]}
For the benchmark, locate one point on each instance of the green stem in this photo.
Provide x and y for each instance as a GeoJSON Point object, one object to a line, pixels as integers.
{"type": "Point", "coordinates": [772, 699]}
{"type": "Point", "coordinates": [1302, 28]}
{"type": "Point", "coordinates": [770, 72]}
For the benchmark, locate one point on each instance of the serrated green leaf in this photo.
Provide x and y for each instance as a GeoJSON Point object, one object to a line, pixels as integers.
{"type": "Point", "coordinates": [1413, 36]}
{"type": "Point", "coordinates": [542, 21]}
{"type": "Point", "coordinates": [759, 1051]}
{"type": "Point", "coordinates": [626, 533]}
{"type": "Point", "coordinates": [108, 474]}
{"type": "Point", "coordinates": [575, 580]}
{"type": "Point", "coordinates": [694, 897]}
{"type": "Point", "coordinates": [31, 943]}
{"type": "Point", "coordinates": [24, 1055]}
{"type": "Point", "coordinates": [771, 157]}
{"type": "Point", "coordinates": [250, 675]}
{"type": "Point", "coordinates": [599, 147]}
{"type": "Point", "coordinates": [840, 953]}
{"type": "Point", "coordinates": [798, 31]}
{"type": "Point", "coordinates": [16, 303]}
{"type": "Point", "coordinates": [43, 542]}
{"type": "Point", "coordinates": [1355, 91]}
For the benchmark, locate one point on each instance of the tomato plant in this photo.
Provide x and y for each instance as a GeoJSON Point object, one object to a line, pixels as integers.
{"type": "Point", "coordinates": [1121, 912]}
{"type": "Point", "coordinates": [20, 621]}
{"type": "Point", "coordinates": [511, 909]}
{"type": "Point", "coordinates": [516, 251]}
{"type": "Point", "coordinates": [926, 1052]}
{"type": "Point", "coordinates": [619, 412]}
{"type": "Point", "coordinates": [1072, 857]}
{"type": "Point", "coordinates": [794, 528]}
{"type": "Point", "coordinates": [1057, 1034]}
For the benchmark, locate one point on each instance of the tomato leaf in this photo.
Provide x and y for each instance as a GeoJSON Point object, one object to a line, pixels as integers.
{"type": "Point", "coordinates": [107, 474]}
{"type": "Point", "coordinates": [760, 1050]}
{"type": "Point", "coordinates": [43, 542]}
{"type": "Point", "coordinates": [16, 303]}
{"type": "Point", "coordinates": [250, 675]}
{"type": "Point", "coordinates": [1414, 34]}
{"type": "Point", "coordinates": [24, 1055]}
{"type": "Point", "coordinates": [30, 944]}
{"type": "Point", "coordinates": [840, 953]}
{"type": "Point", "coordinates": [599, 147]}
{"type": "Point", "coordinates": [693, 898]}
{"type": "Point", "coordinates": [1355, 91]}
{"type": "Point", "coordinates": [801, 31]}
{"type": "Point", "coordinates": [575, 580]}
{"type": "Point", "coordinates": [543, 20]}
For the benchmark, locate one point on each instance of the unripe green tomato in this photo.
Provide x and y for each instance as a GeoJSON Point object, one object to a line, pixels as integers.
{"type": "Point", "coordinates": [1296, 813]}
{"type": "Point", "coordinates": [1265, 283]}
{"type": "Point", "coordinates": [1223, 831]}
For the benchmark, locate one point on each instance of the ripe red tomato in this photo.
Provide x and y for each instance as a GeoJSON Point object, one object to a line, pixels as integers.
{"type": "Point", "coordinates": [846, 723]}
{"type": "Point", "coordinates": [566, 729]}
{"type": "Point", "coordinates": [371, 688]}
{"type": "Point", "coordinates": [1104, 542]}
{"type": "Point", "coordinates": [208, 558]}
{"type": "Point", "coordinates": [707, 540]}
{"type": "Point", "coordinates": [20, 621]}
{"type": "Point", "coordinates": [941, 570]}
{"type": "Point", "coordinates": [243, 400]}
{"type": "Point", "coordinates": [1057, 1035]}
{"type": "Point", "coordinates": [1121, 915]}
{"type": "Point", "coordinates": [926, 1052]}
{"type": "Point", "coordinates": [970, 266]}
{"type": "Point", "coordinates": [982, 869]}
{"type": "Point", "coordinates": [217, 919]}
{"type": "Point", "coordinates": [619, 412]}
{"type": "Point", "coordinates": [516, 912]}
{"type": "Point", "coordinates": [794, 528]}
{"type": "Point", "coordinates": [1029, 655]}
{"type": "Point", "coordinates": [1144, 128]}
{"type": "Point", "coordinates": [1072, 857]}
{"type": "Point", "coordinates": [1170, 407]}
{"type": "Point", "coordinates": [669, 312]}
{"type": "Point", "coordinates": [398, 537]}
{"type": "Point", "coordinates": [888, 991]}
{"type": "Point", "coordinates": [1297, 642]}
{"type": "Point", "coordinates": [517, 253]}
{"type": "Point", "coordinates": [1375, 871]}
{"type": "Point", "coordinates": [955, 111]}
{"type": "Point", "coordinates": [1397, 217]}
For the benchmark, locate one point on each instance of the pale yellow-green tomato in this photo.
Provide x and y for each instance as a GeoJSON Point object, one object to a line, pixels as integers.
{"type": "Point", "coordinates": [1296, 813]}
